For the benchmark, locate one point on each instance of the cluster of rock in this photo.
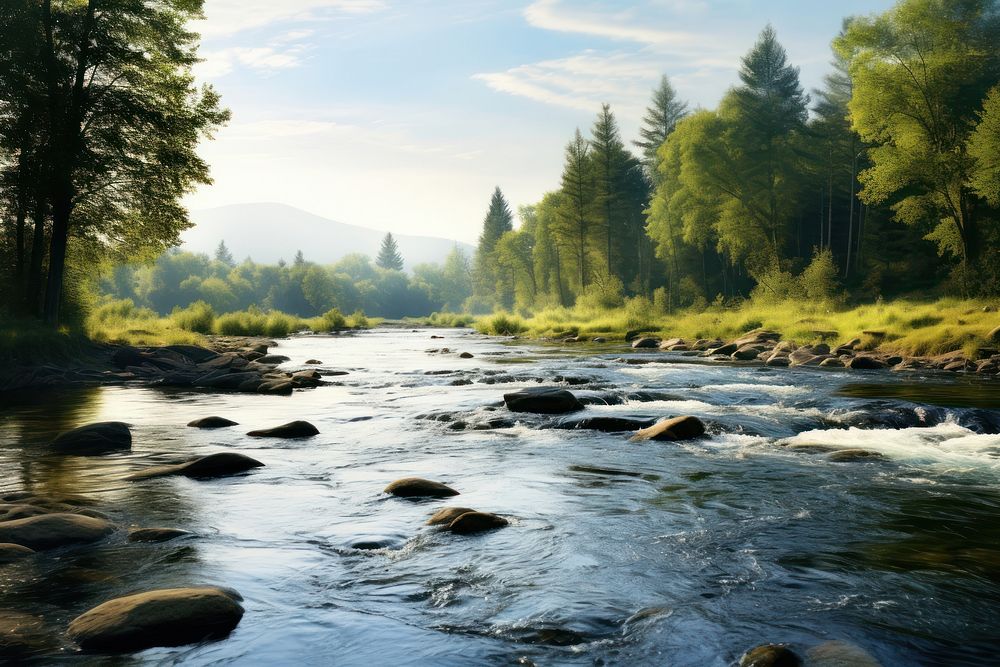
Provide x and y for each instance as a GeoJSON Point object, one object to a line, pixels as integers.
{"type": "Point", "coordinates": [458, 520]}
{"type": "Point", "coordinates": [234, 364]}
{"type": "Point", "coordinates": [828, 654]}
{"type": "Point", "coordinates": [768, 348]}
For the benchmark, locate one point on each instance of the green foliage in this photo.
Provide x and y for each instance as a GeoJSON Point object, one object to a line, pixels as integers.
{"type": "Point", "coordinates": [334, 320]}
{"type": "Point", "coordinates": [501, 324]}
{"type": "Point", "coordinates": [819, 279]}
{"type": "Point", "coordinates": [984, 148]}
{"type": "Point", "coordinates": [661, 117]}
{"type": "Point", "coordinates": [198, 317]}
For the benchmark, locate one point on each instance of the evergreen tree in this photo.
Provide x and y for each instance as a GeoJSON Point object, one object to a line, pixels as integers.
{"type": "Point", "coordinates": [388, 255]}
{"type": "Point", "coordinates": [610, 164]}
{"type": "Point", "coordinates": [498, 221]}
{"type": "Point", "coordinates": [660, 119]}
{"type": "Point", "coordinates": [223, 255]}
{"type": "Point", "coordinates": [576, 220]}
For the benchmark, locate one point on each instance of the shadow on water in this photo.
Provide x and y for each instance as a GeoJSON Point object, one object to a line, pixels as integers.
{"type": "Point", "coordinates": [960, 394]}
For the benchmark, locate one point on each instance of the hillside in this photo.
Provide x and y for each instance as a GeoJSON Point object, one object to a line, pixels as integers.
{"type": "Point", "coordinates": [268, 232]}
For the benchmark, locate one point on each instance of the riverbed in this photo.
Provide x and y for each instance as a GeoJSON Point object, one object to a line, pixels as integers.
{"type": "Point", "coordinates": [616, 553]}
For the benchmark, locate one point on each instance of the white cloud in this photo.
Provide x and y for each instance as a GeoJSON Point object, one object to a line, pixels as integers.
{"type": "Point", "coordinates": [621, 25]}
{"type": "Point", "coordinates": [227, 17]}
{"type": "Point", "coordinates": [262, 58]}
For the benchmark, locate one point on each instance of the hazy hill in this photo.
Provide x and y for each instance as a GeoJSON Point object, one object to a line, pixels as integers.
{"type": "Point", "coordinates": [268, 232]}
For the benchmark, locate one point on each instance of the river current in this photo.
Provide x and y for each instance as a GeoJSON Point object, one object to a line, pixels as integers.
{"type": "Point", "coordinates": [617, 552]}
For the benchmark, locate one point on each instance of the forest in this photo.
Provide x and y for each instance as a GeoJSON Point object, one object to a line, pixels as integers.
{"type": "Point", "coordinates": [883, 184]}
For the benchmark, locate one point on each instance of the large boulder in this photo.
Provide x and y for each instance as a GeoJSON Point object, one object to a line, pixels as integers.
{"type": "Point", "coordinates": [770, 655]}
{"type": "Point", "coordinates": [747, 352]}
{"type": "Point", "coordinates": [222, 464]}
{"type": "Point", "coordinates": [476, 522]}
{"type": "Point", "coordinates": [167, 617]}
{"type": "Point", "coordinates": [212, 422]}
{"type": "Point", "coordinates": [677, 428]}
{"type": "Point", "coordinates": [861, 362]}
{"type": "Point", "coordinates": [295, 429]}
{"type": "Point", "coordinates": [542, 400]}
{"type": "Point", "coordinates": [415, 487]}
{"type": "Point", "coordinates": [98, 438]}
{"type": "Point", "coordinates": [646, 342]}
{"type": "Point", "coordinates": [50, 531]}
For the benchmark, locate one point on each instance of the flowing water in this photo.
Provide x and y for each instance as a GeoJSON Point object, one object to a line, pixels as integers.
{"type": "Point", "coordinates": [617, 552]}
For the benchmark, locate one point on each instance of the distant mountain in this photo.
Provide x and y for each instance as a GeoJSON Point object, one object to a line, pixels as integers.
{"type": "Point", "coordinates": [268, 232]}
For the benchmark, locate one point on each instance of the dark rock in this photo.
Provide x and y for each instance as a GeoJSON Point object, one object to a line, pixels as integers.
{"type": "Point", "coordinates": [677, 428]}
{"type": "Point", "coordinates": [22, 636]}
{"type": "Point", "coordinates": [168, 617]}
{"type": "Point", "coordinates": [851, 455]}
{"type": "Point", "coordinates": [195, 353]}
{"type": "Point", "coordinates": [415, 487]}
{"type": "Point", "coordinates": [313, 362]}
{"type": "Point", "coordinates": [756, 338]}
{"type": "Point", "coordinates": [98, 438]}
{"type": "Point", "coordinates": [770, 655]}
{"type": "Point", "coordinates": [466, 355]}
{"type": "Point", "coordinates": [295, 429]}
{"type": "Point", "coordinates": [476, 522]}
{"type": "Point", "coordinates": [831, 362]}
{"type": "Point", "coordinates": [279, 387]}
{"type": "Point", "coordinates": [607, 424]}
{"type": "Point", "coordinates": [776, 359]}
{"type": "Point", "coordinates": [865, 363]}
{"type": "Point", "coordinates": [273, 359]}
{"type": "Point", "coordinates": [126, 356]}
{"type": "Point", "coordinates": [156, 534]}
{"type": "Point", "coordinates": [224, 380]}
{"type": "Point", "coordinates": [542, 400]}
{"type": "Point", "coordinates": [726, 349]}
{"type": "Point", "coordinates": [212, 422]}
{"type": "Point", "coordinates": [445, 515]}
{"type": "Point", "coordinates": [10, 552]}
{"type": "Point", "coordinates": [23, 511]}
{"type": "Point", "coordinates": [747, 352]}
{"type": "Point", "coordinates": [50, 531]}
{"type": "Point", "coordinates": [645, 343]}
{"type": "Point", "coordinates": [206, 467]}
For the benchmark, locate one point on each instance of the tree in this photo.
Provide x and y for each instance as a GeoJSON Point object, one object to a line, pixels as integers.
{"type": "Point", "coordinates": [984, 148]}
{"type": "Point", "coordinates": [498, 221]}
{"type": "Point", "coordinates": [388, 255]}
{"type": "Point", "coordinates": [576, 219]}
{"type": "Point", "coordinates": [921, 72]}
{"type": "Point", "coordinates": [660, 119]}
{"type": "Point", "coordinates": [122, 121]}
{"type": "Point", "coordinates": [223, 255]}
{"type": "Point", "coordinates": [610, 163]}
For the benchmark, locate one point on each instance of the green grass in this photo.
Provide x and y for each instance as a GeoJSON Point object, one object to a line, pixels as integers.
{"type": "Point", "coordinates": [904, 326]}
{"type": "Point", "coordinates": [450, 320]}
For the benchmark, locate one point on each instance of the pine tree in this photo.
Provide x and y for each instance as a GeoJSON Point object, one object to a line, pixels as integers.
{"type": "Point", "coordinates": [660, 119]}
{"type": "Point", "coordinates": [611, 164]}
{"type": "Point", "coordinates": [498, 221]}
{"type": "Point", "coordinates": [223, 255]}
{"type": "Point", "coordinates": [576, 225]}
{"type": "Point", "coordinates": [388, 255]}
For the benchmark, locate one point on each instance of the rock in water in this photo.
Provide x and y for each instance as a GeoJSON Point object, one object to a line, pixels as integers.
{"type": "Point", "coordinates": [865, 363]}
{"type": "Point", "coordinates": [212, 422]}
{"type": "Point", "coordinates": [645, 343]}
{"type": "Point", "coordinates": [446, 515]}
{"type": "Point", "coordinates": [21, 636]}
{"type": "Point", "coordinates": [608, 424]}
{"type": "Point", "coordinates": [205, 467]}
{"type": "Point", "coordinates": [840, 654]}
{"type": "Point", "coordinates": [296, 429]}
{"type": "Point", "coordinates": [156, 534]}
{"type": "Point", "coordinates": [415, 487]}
{"type": "Point", "coordinates": [98, 438]}
{"type": "Point", "coordinates": [167, 617]}
{"type": "Point", "coordinates": [770, 655]}
{"type": "Point", "coordinates": [851, 455]}
{"type": "Point", "coordinates": [542, 400]}
{"type": "Point", "coordinates": [476, 522]}
{"type": "Point", "coordinates": [50, 531]}
{"type": "Point", "coordinates": [10, 552]}
{"type": "Point", "coordinates": [678, 428]}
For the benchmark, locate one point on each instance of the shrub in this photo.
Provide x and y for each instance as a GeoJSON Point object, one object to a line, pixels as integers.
{"type": "Point", "coordinates": [501, 324]}
{"type": "Point", "coordinates": [357, 320]}
{"type": "Point", "coordinates": [333, 320]}
{"type": "Point", "coordinates": [198, 317]}
{"type": "Point", "coordinates": [819, 280]}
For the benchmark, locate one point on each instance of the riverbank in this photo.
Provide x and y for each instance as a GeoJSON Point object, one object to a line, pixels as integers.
{"type": "Point", "coordinates": [934, 333]}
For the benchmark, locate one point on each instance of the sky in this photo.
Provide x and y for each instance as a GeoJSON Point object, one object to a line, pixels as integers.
{"type": "Point", "coordinates": [403, 115]}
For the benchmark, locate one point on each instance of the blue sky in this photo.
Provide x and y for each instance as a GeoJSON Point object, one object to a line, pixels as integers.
{"type": "Point", "coordinates": [404, 114]}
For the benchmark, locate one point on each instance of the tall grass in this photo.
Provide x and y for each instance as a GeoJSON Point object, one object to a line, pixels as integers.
{"type": "Point", "coordinates": [450, 320]}
{"type": "Point", "coordinates": [904, 326]}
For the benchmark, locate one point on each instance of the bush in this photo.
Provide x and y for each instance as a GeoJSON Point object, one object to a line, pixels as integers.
{"type": "Point", "coordinates": [357, 320]}
{"type": "Point", "coordinates": [606, 294]}
{"type": "Point", "coordinates": [249, 322]}
{"type": "Point", "coordinates": [198, 317]}
{"type": "Point", "coordinates": [280, 324]}
{"type": "Point", "coordinates": [819, 279]}
{"type": "Point", "coordinates": [501, 324]}
{"type": "Point", "coordinates": [333, 320]}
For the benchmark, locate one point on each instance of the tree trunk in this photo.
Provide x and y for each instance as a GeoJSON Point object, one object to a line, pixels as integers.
{"type": "Point", "coordinates": [57, 259]}
{"type": "Point", "coordinates": [33, 296]}
{"type": "Point", "coordinates": [850, 218]}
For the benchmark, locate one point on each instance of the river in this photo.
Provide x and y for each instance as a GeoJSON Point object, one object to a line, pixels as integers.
{"type": "Point", "coordinates": [617, 552]}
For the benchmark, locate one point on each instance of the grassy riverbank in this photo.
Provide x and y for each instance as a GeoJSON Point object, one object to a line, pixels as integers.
{"type": "Point", "coordinates": [906, 327]}
{"type": "Point", "coordinates": [121, 321]}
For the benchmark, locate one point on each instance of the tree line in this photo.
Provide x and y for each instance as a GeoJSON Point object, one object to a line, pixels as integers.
{"type": "Point", "coordinates": [99, 121]}
{"type": "Point", "coordinates": [886, 181]}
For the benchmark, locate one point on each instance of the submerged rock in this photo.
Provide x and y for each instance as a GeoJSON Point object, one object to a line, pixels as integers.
{"type": "Point", "coordinates": [295, 429]}
{"type": "Point", "coordinates": [840, 654]}
{"type": "Point", "coordinates": [205, 467]}
{"type": "Point", "coordinates": [415, 487]}
{"type": "Point", "coordinates": [607, 424]}
{"type": "Point", "coordinates": [10, 552]}
{"type": "Point", "coordinates": [542, 400]}
{"type": "Point", "coordinates": [770, 655]}
{"type": "Point", "coordinates": [851, 455]}
{"type": "Point", "coordinates": [212, 422]}
{"type": "Point", "coordinates": [167, 617]}
{"type": "Point", "coordinates": [677, 428]}
{"type": "Point", "coordinates": [156, 534]}
{"type": "Point", "coordinates": [22, 635]}
{"type": "Point", "coordinates": [476, 522]}
{"type": "Point", "coordinates": [98, 438]}
{"type": "Point", "coordinates": [50, 531]}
